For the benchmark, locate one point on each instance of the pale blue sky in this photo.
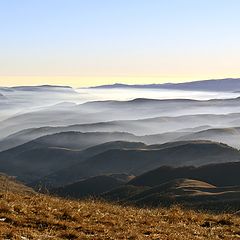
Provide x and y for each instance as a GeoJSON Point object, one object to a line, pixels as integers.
{"type": "Point", "coordinates": [162, 39]}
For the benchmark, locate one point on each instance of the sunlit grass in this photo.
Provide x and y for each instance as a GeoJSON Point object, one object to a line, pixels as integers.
{"type": "Point", "coordinates": [45, 217]}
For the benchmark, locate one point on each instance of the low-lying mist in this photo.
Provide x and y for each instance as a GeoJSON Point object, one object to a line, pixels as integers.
{"type": "Point", "coordinates": [50, 109]}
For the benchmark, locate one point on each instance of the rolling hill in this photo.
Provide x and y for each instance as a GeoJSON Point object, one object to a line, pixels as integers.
{"type": "Point", "coordinates": [138, 161]}
{"type": "Point", "coordinates": [230, 136]}
{"type": "Point", "coordinates": [189, 193]}
{"type": "Point", "coordinates": [32, 161]}
{"type": "Point", "coordinates": [103, 111]}
{"type": "Point", "coordinates": [124, 127]}
{"type": "Point", "coordinates": [72, 140]}
{"type": "Point", "coordinates": [90, 187]}
{"type": "Point", "coordinates": [221, 175]}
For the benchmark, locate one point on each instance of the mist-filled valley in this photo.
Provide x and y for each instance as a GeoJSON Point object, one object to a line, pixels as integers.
{"type": "Point", "coordinates": [132, 144]}
{"type": "Point", "coordinates": [119, 120]}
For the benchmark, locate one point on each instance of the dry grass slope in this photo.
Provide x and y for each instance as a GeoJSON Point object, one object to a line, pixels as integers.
{"type": "Point", "coordinates": [8, 183]}
{"type": "Point", "coordinates": [42, 217]}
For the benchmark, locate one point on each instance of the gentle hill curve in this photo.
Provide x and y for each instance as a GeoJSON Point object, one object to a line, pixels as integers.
{"type": "Point", "coordinates": [224, 174]}
{"type": "Point", "coordinates": [138, 161]}
{"type": "Point", "coordinates": [32, 161]}
{"type": "Point", "coordinates": [90, 187]}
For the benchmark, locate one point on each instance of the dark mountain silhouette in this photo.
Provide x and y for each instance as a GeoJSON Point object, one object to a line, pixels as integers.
{"type": "Point", "coordinates": [224, 174]}
{"type": "Point", "coordinates": [183, 153]}
{"type": "Point", "coordinates": [73, 140]}
{"type": "Point", "coordinates": [97, 149]}
{"type": "Point", "coordinates": [32, 161]}
{"type": "Point", "coordinates": [33, 164]}
{"type": "Point", "coordinates": [138, 161]}
{"type": "Point", "coordinates": [90, 187]}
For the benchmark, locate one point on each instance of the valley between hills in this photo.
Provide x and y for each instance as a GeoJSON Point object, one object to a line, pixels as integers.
{"type": "Point", "coordinates": [77, 166]}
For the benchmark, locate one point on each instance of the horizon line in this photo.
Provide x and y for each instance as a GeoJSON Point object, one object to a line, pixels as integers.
{"type": "Point", "coordinates": [116, 83]}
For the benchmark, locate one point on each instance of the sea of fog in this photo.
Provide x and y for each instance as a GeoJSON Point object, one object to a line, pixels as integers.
{"type": "Point", "coordinates": [48, 107]}
{"type": "Point", "coordinates": [18, 102]}
{"type": "Point", "coordinates": [129, 94]}
{"type": "Point", "coordinates": [81, 95]}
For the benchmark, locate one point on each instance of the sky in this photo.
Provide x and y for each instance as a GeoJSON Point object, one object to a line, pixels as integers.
{"type": "Point", "coordinates": [94, 42]}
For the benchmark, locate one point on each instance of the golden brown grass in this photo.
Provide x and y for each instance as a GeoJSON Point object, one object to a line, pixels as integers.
{"type": "Point", "coordinates": [44, 217]}
{"type": "Point", "coordinates": [8, 183]}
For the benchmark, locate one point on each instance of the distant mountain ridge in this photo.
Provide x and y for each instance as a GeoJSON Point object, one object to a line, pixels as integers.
{"type": "Point", "coordinates": [37, 88]}
{"type": "Point", "coordinates": [227, 84]}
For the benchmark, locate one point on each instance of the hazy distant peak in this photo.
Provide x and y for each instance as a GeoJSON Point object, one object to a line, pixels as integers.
{"type": "Point", "coordinates": [51, 88]}
{"type": "Point", "coordinates": [137, 100]}
{"type": "Point", "coordinates": [227, 84]}
{"type": "Point", "coordinates": [43, 86]}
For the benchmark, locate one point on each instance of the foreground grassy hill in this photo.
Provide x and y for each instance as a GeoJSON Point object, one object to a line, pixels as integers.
{"type": "Point", "coordinates": [10, 184]}
{"type": "Point", "coordinates": [24, 216]}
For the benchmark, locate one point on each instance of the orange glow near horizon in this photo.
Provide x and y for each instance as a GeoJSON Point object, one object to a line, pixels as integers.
{"type": "Point", "coordinates": [81, 81]}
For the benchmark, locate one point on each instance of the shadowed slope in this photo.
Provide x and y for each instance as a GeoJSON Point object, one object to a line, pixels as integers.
{"type": "Point", "coordinates": [90, 187]}
{"type": "Point", "coordinates": [34, 160]}
{"type": "Point", "coordinates": [187, 192]}
{"type": "Point", "coordinates": [138, 161]}
{"type": "Point", "coordinates": [225, 174]}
